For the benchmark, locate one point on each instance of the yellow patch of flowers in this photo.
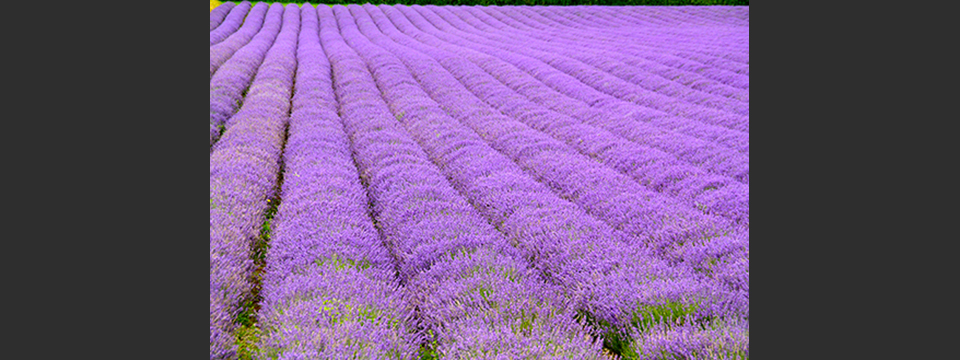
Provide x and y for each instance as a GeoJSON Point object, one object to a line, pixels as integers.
{"type": "Point", "coordinates": [214, 4]}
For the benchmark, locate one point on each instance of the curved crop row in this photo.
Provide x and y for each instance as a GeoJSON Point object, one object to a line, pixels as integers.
{"type": "Point", "coordinates": [630, 51]}
{"type": "Point", "coordinates": [232, 22]}
{"type": "Point", "coordinates": [601, 54]}
{"type": "Point", "coordinates": [606, 194]}
{"type": "Point", "coordinates": [602, 83]}
{"type": "Point", "coordinates": [244, 168]}
{"type": "Point", "coordinates": [475, 297]}
{"type": "Point", "coordinates": [223, 50]}
{"type": "Point", "coordinates": [730, 16]}
{"type": "Point", "coordinates": [722, 196]}
{"type": "Point", "coordinates": [329, 287]}
{"type": "Point", "coordinates": [688, 40]}
{"type": "Point", "coordinates": [730, 138]}
{"type": "Point", "coordinates": [533, 18]}
{"type": "Point", "coordinates": [619, 287]}
{"type": "Point", "coordinates": [229, 84]}
{"type": "Point", "coordinates": [704, 154]}
{"type": "Point", "coordinates": [725, 339]}
{"type": "Point", "coordinates": [219, 13]}
{"type": "Point", "coordinates": [430, 81]}
{"type": "Point", "coordinates": [665, 45]}
{"type": "Point", "coordinates": [493, 182]}
{"type": "Point", "coordinates": [682, 43]}
{"type": "Point", "coordinates": [606, 55]}
{"type": "Point", "coordinates": [644, 59]}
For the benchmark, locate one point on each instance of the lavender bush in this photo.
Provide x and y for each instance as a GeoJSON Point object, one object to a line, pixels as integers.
{"type": "Point", "coordinates": [490, 182]}
{"type": "Point", "coordinates": [223, 50]}
{"type": "Point", "coordinates": [231, 23]}
{"type": "Point", "coordinates": [244, 167]}
{"type": "Point", "coordinates": [228, 85]}
{"type": "Point", "coordinates": [217, 15]}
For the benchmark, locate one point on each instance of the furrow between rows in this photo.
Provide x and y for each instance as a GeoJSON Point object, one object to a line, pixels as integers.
{"type": "Point", "coordinates": [244, 175]}
{"type": "Point", "coordinates": [222, 51]}
{"type": "Point", "coordinates": [552, 236]}
{"type": "Point", "coordinates": [424, 182]}
{"type": "Point", "coordinates": [470, 290]}
{"type": "Point", "coordinates": [230, 85]}
{"type": "Point", "coordinates": [602, 83]}
{"type": "Point", "coordinates": [219, 13]}
{"type": "Point", "coordinates": [706, 155]}
{"type": "Point", "coordinates": [657, 171]}
{"type": "Point", "coordinates": [231, 23]}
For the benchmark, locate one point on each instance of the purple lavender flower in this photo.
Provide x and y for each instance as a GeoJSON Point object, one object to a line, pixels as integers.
{"type": "Point", "coordinates": [479, 182]}
{"type": "Point", "coordinates": [230, 24]}
{"type": "Point", "coordinates": [244, 168]}
{"type": "Point", "coordinates": [217, 15]}
{"type": "Point", "coordinates": [232, 79]}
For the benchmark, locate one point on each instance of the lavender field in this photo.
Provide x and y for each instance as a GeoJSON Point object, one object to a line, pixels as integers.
{"type": "Point", "coordinates": [424, 182]}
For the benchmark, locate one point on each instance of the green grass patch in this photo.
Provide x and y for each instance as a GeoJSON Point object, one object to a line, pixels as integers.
{"type": "Point", "coordinates": [262, 243]}
{"type": "Point", "coordinates": [642, 319]}
{"type": "Point", "coordinates": [428, 351]}
{"type": "Point", "coordinates": [353, 313]}
{"type": "Point", "coordinates": [342, 263]}
{"type": "Point", "coordinates": [248, 334]}
{"type": "Point", "coordinates": [247, 339]}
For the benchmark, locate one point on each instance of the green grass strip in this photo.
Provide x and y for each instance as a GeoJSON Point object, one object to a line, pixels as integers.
{"type": "Point", "coordinates": [248, 333]}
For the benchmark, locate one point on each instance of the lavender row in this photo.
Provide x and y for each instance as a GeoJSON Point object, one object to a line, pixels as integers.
{"type": "Point", "coordinates": [654, 59]}
{"type": "Point", "coordinates": [521, 18]}
{"type": "Point", "coordinates": [653, 62]}
{"type": "Point", "coordinates": [725, 258]}
{"type": "Point", "coordinates": [606, 57]}
{"type": "Point", "coordinates": [623, 21]}
{"type": "Point", "coordinates": [550, 21]}
{"type": "Point", "coordinates": [546, 96]}
{"type": "Point", "coordinates": [615, 57]}
{"type": "Point", "coordinates": [594, 40]}
{"type": "Point", "coordinates": [626, 19]}
{"type": "Point", "coordinates": [677, 41]}
{"type": "Point", "coordinates": [601, 83]}
{"type": "Point", "coordinates": [231, 23]}
{"type": "Point", "coordinates": [230, 268]}
{"type": "Point", "coordinates": [430, 81]}
{"type": "Point", "coordinates": [731, 53]}
{"type": "Point", "coordinates": [654, 169]}
{"type": "Point", "coordinates": [672, 16]}
{"type": "Point", "coordinates": [475, 295]}
{"type": "Point", "coordinates": [700, 46]}
{"type": "Point", "coordinates": [646, 38]}
{"type": "Point", "coordinates": [707, 155]}
{"type": "Point", "coordinates": [222, 51]}
{"type": "Point", "coordinates": [731, 17]}
{"type": "Point", "coordinates": [244, 168]}
{"type": "Point", "coordinates": [217, 15]}
{"type": "Point", "coordinates": [697, 152]}
{"type": "Point", "coordinates": [329, 288]}
{"type": "Point", "coordinates": [724, 339]}
{"type": "Point", "coordinates": [730, 138]}
{"type": "Point", "coordinates": [572, 249]}
{"type": "Point", "coordinates": [229, 84]}
{"type": "Point", "coordinates": [633, 214]}
{"type": "Point", "coordinates": [632, 63]}
{"type": "Point", "coordinates": [463, 286]}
